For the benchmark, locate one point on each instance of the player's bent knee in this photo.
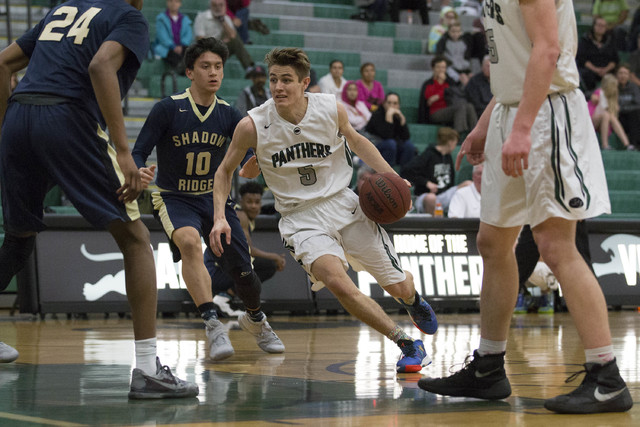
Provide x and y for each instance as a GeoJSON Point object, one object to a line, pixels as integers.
{"type": "Point", "coordinates": [129, 233]}
{"type": "Point", "coordinates": [188, 240]}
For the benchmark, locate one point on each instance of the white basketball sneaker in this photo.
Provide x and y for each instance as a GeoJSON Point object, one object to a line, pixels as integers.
{"type": "Point", "coordinates": [265, 337]}
{"type": "Point", "coordinates": [218, 340]}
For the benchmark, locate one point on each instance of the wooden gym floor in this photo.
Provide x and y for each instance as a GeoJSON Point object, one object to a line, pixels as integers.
{"type": "Point", "coordinates": [335, 372]}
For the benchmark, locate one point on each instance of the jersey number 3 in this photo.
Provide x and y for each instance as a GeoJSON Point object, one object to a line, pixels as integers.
{"type": "Point", "coordinates": [79, 28]}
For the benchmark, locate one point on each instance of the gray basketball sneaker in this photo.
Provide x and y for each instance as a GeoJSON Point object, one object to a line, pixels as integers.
{"type": "Point", "coordinates": [162, 385]}
{"type": "Point", "coordinates": [265, 337]}
{"type": "Point", "coordinates": [218, 340]}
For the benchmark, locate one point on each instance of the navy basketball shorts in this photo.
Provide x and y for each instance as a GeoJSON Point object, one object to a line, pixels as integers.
{"type": "Point", "coordinates": [177, 210]}
{"type": "Point", "coordinates": [58, 144]}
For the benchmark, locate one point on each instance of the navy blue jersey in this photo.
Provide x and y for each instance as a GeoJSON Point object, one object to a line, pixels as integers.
{"type": "Point", "coordinates": [190, 142]}
{"type": "Point", "coordinates": [61, 46]}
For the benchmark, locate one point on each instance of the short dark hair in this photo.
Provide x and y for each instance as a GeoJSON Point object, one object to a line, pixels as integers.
{"type": "Point", "coordinates": [251, 187]}
{"type": "Point", "coordinates": [334, 61]}
{"type": "Point", "coordinates": [439, 58]}
{"type": "Point", "coordinates": [623, 65]}
{"type": "Point", "coordinates": [289, 56]}
{"type": "Point", "coordinates": [392, 93]}
{"type": "Point", "coordinates": [365, 65]}
{"type": "Point", "coordinates": [208, 44]}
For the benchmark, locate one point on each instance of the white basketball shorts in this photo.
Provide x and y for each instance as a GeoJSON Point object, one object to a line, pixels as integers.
{"type": "Point", "coordinates": [337, 226]}
{"type": "Point", "coordinates": [565, 177]}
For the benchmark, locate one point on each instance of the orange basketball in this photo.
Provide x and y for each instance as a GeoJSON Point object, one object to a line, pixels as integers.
{"type": "Point", "coordinates": [385, 197]}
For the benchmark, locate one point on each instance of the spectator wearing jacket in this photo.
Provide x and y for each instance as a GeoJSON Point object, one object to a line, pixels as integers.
{"type": "Point", "coordinates": [442, 100]}
{"type": "Point", "coordinates": [390, 133]}
{"type": "Point", "coordinates": [173, 34]}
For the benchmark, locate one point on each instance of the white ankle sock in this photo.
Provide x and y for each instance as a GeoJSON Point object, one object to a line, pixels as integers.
{"type": "Point", "coordinates": [491, 347]}
{"type": "Point", "coordinates": [146, 355]}
{"type": "Point", "coordinates": [599, 355]}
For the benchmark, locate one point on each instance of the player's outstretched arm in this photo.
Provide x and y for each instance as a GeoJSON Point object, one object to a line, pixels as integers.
{"type": "Point", "coordinates": [103, 72]}
{"type": "Point", "coordinates": [12, 59]}
{"type": "Point", "coordinates": [244, 138]}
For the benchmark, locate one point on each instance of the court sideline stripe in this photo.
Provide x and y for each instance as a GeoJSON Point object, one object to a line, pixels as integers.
{"type": "Point", "coordinates": [44, 421]}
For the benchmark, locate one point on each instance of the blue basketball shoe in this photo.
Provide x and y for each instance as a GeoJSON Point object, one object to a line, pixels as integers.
{"type": "Point", "coordinates": [413, 358]}
{"type": "Point", "coordinates": [422, 315]}
{"type": "Point", "coordinates": [522, 304]}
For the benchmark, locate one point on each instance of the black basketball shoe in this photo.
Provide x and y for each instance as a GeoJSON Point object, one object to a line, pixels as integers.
{"type": "Point", "coordinates": [602, 390]}
{"type": "Point", "coordinates": [483, 378]}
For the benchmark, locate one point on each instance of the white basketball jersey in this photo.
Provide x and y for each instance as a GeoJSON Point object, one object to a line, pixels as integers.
{"type": "Point", "coordinates": [510, 49]}
{"type": "Point", "coordinates": [305, 162]}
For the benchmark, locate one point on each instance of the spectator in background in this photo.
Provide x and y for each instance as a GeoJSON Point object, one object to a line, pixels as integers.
{"type": "Point", "coordinates": [333, 82]}
{"type": "Point", "coordinates": [634, 61]}
{"type": "Point", "coordinates": [634, 31]}
{"type": "Point", "coordinates": [370, 91]}
{"type": "Point", "coordinates": [465, 203]}
{"type": "Point", "coordinates": [469, 8]}
{"type": "Point", "coordinates": [419, 5]}
{"type": "Point", "coordinates": [370, 10]}
{"type": "Point", "coordinates": [614, 12]}
{"type": "Point", "coordinates": [256, 94]}
{"type": "Point", "coordinates": [457, 48]}
{"type": "Point", "coordinates": [173, 34]}
{"type": "Point", "coordinates": [238, 11]}
{"type": "Point", "coordinates": [447, 16]}
{"type": "Point", "coordinates": [596, 55]}
{"type": "Point", "coordinates": [478, 90]}
{"type": "Point", "coordinates": [357, 110]}
{"type": "Point", "coordinates": [390, 133]}
{"type": "Point", "coordinates": [313, 82]}
{"type": "Point", "coordinates": [478, 40]}
{"type": "Point", "coordinates": [604, 108]}
{"type": "Point", "coordinates": [214, 22]}
{"type": "Point", "coordinates": [443, 101]}
{"type": "Point", "coordinates": [629, 100]}
{"type": "Point", "coordinates": [432, 173]}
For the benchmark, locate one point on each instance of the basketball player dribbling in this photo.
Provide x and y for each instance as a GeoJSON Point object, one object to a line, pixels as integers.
{"type": "Point", "coordinates": [300, 144]}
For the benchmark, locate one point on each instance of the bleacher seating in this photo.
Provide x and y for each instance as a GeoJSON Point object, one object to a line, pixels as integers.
{"type": "Point", "coordinates": [324, 30]}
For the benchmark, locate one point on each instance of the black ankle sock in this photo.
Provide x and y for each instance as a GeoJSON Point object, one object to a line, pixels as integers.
{"type": "Point", "coordinates": [256, 315]}
{"type": "Point", "coordinates": [207, 311]}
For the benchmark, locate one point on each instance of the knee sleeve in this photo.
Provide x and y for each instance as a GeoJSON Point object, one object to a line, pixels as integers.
{"type": "Point", "coordinates": [14, 253]}
{"type": "Point", "coordinates": [248, 287]}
